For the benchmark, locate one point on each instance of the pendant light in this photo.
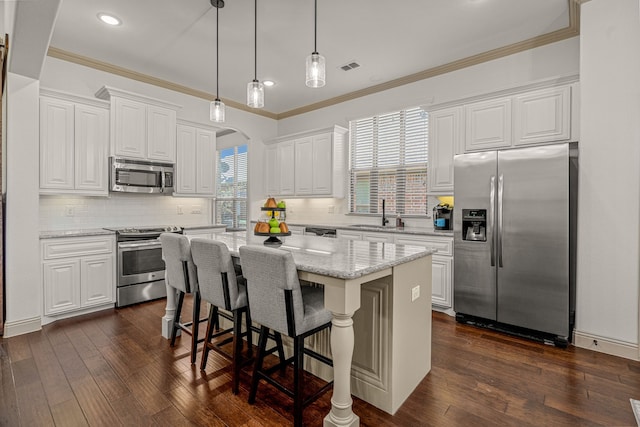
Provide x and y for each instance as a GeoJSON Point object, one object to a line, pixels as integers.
{"type": "Point", "coordinates": [216, 109]}
{"type": "Point", "coordinates": [315, 61]}
{"type": "Point", "coordinates": [255, 89]}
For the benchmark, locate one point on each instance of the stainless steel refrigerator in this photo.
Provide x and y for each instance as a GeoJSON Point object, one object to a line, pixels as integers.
{"type": "Point", "coordinates": [514, 239]}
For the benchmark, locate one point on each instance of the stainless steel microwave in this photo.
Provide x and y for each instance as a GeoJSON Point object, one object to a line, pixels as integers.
{"type": "Point", "coordinates": [140, 176]}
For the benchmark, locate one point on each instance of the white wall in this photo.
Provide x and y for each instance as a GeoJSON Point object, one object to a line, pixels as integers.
{"type": "Point", "coordinates": [22, 250]}
{"type": "Point", "coordinates": [609, 199]}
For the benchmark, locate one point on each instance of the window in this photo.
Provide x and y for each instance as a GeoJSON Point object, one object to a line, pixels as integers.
{"type": "Point", "coordinates": [231, 191]}
{"type": "Point", "coordinates": [389, 162]}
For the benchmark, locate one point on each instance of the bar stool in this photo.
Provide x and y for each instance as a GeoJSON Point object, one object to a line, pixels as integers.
{"type": "Point", "coordinates": [278, 302]}
{"type": "Point", "coordinates": [180, 274]}
{"type": "Point", "coordinates": [220, 287]}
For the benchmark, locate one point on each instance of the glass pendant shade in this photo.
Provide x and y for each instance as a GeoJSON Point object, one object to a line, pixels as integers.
{"type": "Point", "coordinates": [255, 94]}
{"type": "Point", "coordinates": [216, 111]}
{"type": "Point", "coordinates": [315, 70]}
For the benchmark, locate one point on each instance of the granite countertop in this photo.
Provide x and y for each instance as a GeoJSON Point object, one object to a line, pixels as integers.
{"type": "Point", "coordinates": [52, 234]}
{"type": "Point", "coordinates": [421, 231]}
{"type": "Point", "coordinates": [343, 259]}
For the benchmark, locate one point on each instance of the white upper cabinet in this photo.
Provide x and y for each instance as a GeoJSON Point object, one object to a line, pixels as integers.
{"type": "Point", "coordinates": [196, 157]}
{"type": "Point", "coordinates": [445, 139]}
{"type": "Point", "coordinates": [488, 124]}
{"type": "Point", "coordinates": [91, 131]}
{"type": "Point", "coordinates": [542, 116]}
{"type": "Point", "coordinates": [73, 145]}
{"type": "Point", "coordinates": [310, 164]}
{"type": "Point", "coordinates": [186, 153]}
{"type": "Point", "coordinates": [161, 133]}
{"type": "Point", "coordinates": [129, 126]}
{"type": "Point", "coordinates": [141, 127]}
{"type": "Point", "coordinates": [323, 170]}
{"type": "Point", "coordinates": [272, 170]}
{"type": "Point", "coordinates": [205, 162]}
{"type": "Point", "coordinates": [287, 159]}
{"type": "Point", "coordinates": [543, 113]}
{"type": "Point", "coordinates": [304, 165]}
{"type": "Point", "coordinates": [56, 144]}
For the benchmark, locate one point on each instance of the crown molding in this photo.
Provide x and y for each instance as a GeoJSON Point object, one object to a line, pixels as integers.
{"type": "Point", "coordinates": [54, 52]}
{"type": "Point", "coordinates": [572, 30]}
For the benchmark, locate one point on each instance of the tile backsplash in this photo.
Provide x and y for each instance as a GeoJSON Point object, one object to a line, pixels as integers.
{"type": "Point", "coordinates": [121, 210]}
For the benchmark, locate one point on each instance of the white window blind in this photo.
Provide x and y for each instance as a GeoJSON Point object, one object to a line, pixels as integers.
{"type": "Point", "coordinates": [388, 160]}
{"type": "Point", "coordinates": [231, 191]}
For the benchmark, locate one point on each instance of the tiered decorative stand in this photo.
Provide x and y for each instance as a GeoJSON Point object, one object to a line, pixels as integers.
{"type": "Point", "coordinates": [273, 237]}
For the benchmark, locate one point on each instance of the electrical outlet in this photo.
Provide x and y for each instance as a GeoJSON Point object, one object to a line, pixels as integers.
{"type": "Point", "coordinates": [69, 210]}
{"type": "Point", "coordinates": [196, 209]}
{"type": "Point", "coordinates": [415, 293]}
{"type": "Point", "coordinates": [180, 212]}
{"type": "Point", "coordinates": [331, 209]}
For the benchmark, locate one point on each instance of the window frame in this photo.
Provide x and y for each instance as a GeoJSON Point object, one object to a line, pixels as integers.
{"type": "Point", "coordinates": [401, 170]}
{"type": "Point", "coordinates": [235, 199]}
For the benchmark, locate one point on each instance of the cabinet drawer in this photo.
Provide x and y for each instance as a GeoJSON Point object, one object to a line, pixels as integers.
{"type": "Point", "coordinates": [444, 245]}
{"type": "Point", "coordinates": [76, 246]}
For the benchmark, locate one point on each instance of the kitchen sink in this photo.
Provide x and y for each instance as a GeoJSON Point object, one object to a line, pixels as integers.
{"type": "Point", "coordinates": [373, 227]}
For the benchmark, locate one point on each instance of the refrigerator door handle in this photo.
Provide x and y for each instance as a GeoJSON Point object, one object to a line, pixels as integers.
{"type": "Point", "coordinates": [492, 204]}
{"type": "Point", "coordinates": [500, 223]}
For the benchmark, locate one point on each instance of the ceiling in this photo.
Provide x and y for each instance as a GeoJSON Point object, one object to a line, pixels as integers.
{"type": "Point", "coordinates": [393, 42]}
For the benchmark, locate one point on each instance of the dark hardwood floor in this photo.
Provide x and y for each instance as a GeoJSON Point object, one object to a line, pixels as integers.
{"type": "Point", "coordinates": [113, 368]}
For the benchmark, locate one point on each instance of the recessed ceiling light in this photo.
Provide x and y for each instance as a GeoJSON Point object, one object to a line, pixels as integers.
{"type": "Point", "coordinates": [269, 83]}
{"type": "Point", "coordinates": [109, 19]}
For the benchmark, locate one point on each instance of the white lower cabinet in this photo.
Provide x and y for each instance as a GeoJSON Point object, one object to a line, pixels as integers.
{"type": "Point", "coordinates": [77, 273]}
{"type": "Point", "coordinates": [348, 235]}
{"type": "Point", "coordinates": [441, 283]}
{"type": "Point", "coordinates": [378, 237]}
{"type": "Point", "coordinates": [442, 263]}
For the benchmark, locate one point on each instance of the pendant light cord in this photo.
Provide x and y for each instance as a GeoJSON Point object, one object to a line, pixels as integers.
{"type": "Point", "coordinates": [315, 27]}
{"type": "Point", "coordinates": [255, 40]}
{"type": "Point", "coordinates": [217, 53]}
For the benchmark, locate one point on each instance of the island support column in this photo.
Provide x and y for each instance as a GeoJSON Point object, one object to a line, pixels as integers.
{"type": "Point", "coordinates": [342, 298]}
{"type": "Point", "coordinates": [169, 312]}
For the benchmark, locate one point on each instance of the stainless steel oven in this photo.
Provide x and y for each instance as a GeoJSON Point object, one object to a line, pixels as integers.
{"type": "Point", "coordinates": [140, 268]}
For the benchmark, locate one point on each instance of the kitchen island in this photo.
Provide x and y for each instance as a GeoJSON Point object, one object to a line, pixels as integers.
{"type": "Point", "coordinates": [384, 356]}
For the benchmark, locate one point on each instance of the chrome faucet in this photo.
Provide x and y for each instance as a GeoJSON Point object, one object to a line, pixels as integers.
{"type": "Point", "coordinates": [385, 221]}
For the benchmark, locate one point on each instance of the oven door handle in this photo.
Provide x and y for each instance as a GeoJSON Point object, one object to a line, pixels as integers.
{"type": "Point", "coordinates": [129, 246]}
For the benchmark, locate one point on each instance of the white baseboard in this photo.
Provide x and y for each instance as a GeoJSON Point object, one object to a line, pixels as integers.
{"type": "Point", "coordinates": [606, 345]}
{"type": "Point", "coordinates": [19, 327]}
{"type": "Point", "coordinates": [50, 319]}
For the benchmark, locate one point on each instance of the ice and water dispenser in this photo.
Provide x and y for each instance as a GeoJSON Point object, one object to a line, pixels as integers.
{"type": "Point", "coordinates": [474, 225]}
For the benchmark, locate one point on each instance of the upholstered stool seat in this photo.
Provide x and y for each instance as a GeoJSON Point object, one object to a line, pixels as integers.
{"type": "Point", "coordinates": [278, 302]}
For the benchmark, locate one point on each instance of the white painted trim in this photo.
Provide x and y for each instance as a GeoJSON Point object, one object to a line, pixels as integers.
{"type": "Point", "coordinates": [51, 93]}
{"type": "Point", "coordinates": [507, 91]}
{"type": "Point", "coordinates": [606, 345]}
{"type": "Point", "coordinates": [50, 319]}
{"type": "Point", "coordinates": [106, 92]}
{"type": "Point", "coordinates": [19, 327]}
